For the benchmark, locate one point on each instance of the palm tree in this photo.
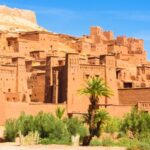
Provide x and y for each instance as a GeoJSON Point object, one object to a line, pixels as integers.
{"type": "Point", "coordinates": [94, 88]}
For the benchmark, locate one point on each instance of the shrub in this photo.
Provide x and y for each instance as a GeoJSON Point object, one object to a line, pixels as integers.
{"type": "Point", "coordinates": [137, 122]}
{"type": "Point", "coordinates": [75, 126]}
{"type": "Point", "coordinates": [59, 133]}
{"type": "Point", "coordinates": [10, 130]}
{"type": "Point", "coordinates": [112, 125]}
{"type": "Point", "coordinates": [25, 124]}
{"type": "Point", "coordinates": [44, 123]}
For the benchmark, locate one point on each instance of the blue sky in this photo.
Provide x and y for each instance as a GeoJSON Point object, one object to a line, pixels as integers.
{"type": "Point", "coordinates": [123, 17]}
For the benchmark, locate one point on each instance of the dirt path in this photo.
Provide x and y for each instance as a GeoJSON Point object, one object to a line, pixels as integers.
{"type": "Point", "coordinates": [11, 146]}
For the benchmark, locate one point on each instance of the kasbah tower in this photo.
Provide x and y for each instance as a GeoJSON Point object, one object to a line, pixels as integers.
{"type": "Point", "coordinates": [41, 70]}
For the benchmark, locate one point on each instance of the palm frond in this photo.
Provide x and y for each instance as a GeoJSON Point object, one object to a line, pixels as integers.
{"type": "Point", "coordinates": [97, 87]}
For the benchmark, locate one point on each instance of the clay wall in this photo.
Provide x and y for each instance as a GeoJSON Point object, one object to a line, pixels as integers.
{"type": "Point", "coordinates": [8, 79]}
{"type": "Point", "coordinates": [122, 40]}
{"type": "Point", "coordinates": [98, 49]}
{"type": "Point", "coordinates": [34, 36]}
{"type": "Point", "coordinates": [118, 49]}
{"type": "Point", "coordinates": [135, 44]}
{"type": "Point", "coordinates": [84, 47]}
{"type": "Point", "coordinates": [133, 96]}
{"type": "Point", "coordinates": [96, 31]}
{"type": "Point", "coordinates": [109, 35]}
{"type": "Point", "coordinates": [5, 59]}
{"type": "Point", "coordinates": [13, 110]}
{"type": "Point", "coordinates": [37, 84]}
{"type": "Point", "coordinates": [136, 59]}
{"type": "Point", "coordinates": [12, 97]}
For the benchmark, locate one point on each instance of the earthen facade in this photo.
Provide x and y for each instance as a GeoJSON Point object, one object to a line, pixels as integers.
{"type": "Point", "coordinates": [46, 69]}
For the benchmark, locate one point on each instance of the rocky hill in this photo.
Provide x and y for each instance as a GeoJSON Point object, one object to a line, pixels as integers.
{"type": "Point", "coordinates": [18, 20]}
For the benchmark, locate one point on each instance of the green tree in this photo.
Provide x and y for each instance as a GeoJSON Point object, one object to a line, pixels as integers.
{"type": "Point", "coordinates": [95, 88]}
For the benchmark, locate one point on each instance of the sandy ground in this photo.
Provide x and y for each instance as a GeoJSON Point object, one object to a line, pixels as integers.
{"type": "Point", "coordinates": [12, 146]}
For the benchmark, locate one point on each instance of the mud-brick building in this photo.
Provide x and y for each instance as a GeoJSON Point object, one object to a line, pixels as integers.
{"type": "Point", "coordinates": [41, 70]}
{"type": "Point", "coordinates": [64, 81]}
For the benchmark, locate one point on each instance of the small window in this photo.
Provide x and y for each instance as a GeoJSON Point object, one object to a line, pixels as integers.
{"type": "Point", "coordinates": [127, 84]}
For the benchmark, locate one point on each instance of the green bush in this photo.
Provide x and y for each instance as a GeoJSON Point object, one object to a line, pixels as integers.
{"type": "Point", "coordinates": [137, 122]}
{"type": "Point", "coordinates": [25, 124]}
{"type": "Point", "coordinates": [112, 125]}
{"type": "Point", "coordinates": [59, 133]}
{"type": "Point", "coordinates": [11, 130]}
{"type": "Point", "coordinates": [44, 123]}
{"type": "Point", "coordinates": [47, 125]}
{"type": "Point", "coordinates": [76, 126]}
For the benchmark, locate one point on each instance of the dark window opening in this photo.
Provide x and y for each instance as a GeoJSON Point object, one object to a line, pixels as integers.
{"type": "Point", "coordinates": [60, 62]}
{"type": "Point", "coordinates": [117, 74]}
{"type": "Point", "coordinates": [127, 84]}
{"type": "Point", "coordinates": [97, 76]}
{"type": "Point", "coordinates": [87, 76]}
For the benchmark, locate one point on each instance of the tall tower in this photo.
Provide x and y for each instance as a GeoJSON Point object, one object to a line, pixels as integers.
{"type": "Point", "coordinates": [110, 77]}
{"type": "Point", "coordinates": [72, 70]}
{"type": "Point", "coordinates": [21, 78]}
